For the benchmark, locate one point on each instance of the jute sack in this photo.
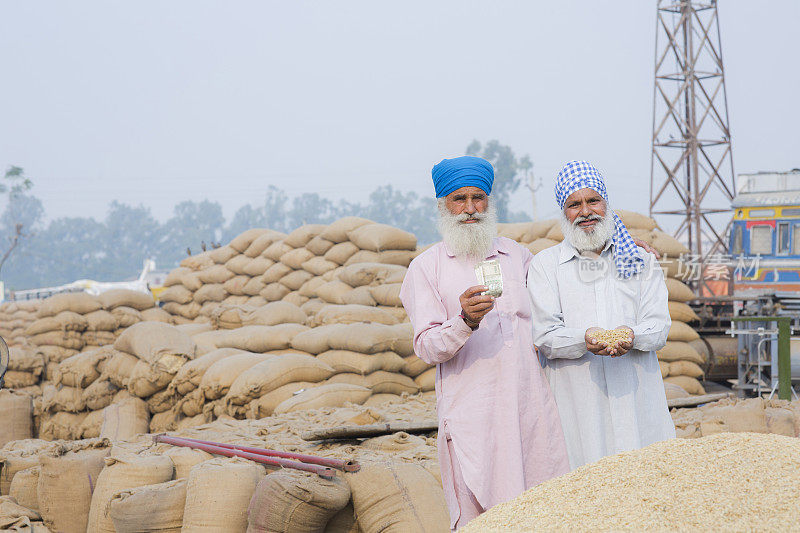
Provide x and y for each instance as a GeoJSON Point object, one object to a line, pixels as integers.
{"type": "Point", "coordinates": [63, 398]}
{"type": "Point", "coordinates": [260, 243]}
{"type": "Point", "coordinates": [176, 294]}
{"type": "Point", "coordinates": [14, 517]}
{"type": "Point", "coordinates": [540, 244]}
{"type": "Point", "coordinates": [555, 233]}
{"type": "Point", "coordinates": [673, 391]}
{"type": "Point", "coordinates": [66, 482]}
{"type": "Point", "coordinates": [218, 377]}
{"type": "Point", "coordinates": [62, 425]}
{"type": "Point", "coordinates": [296, 279]}
{"type": "Point", "coordinates": [664, 368]}
{"type": "Point", "coordinates": [165, 421]}
{"type": "Point", "coordinates": [318, 266]}
{"type": "Point", "coordinates": [198, 261]}
{"type": "Point", "coordinates": [513, 231]}
{"type": "Point", "coordinates": [746, 416]}
{"type": "Point", "coordinates": [146, 379]}
{"type": "Point", "coordinates": [391, 383]}
{"type": "Point", "coordinates": [184, 459]}
{"type": "Point", "coordinates": [118, 368]}
{"type": "Point", "coordinates": [681, 312]}
{"type": "Point", "coordinates": [63, 321]}
{"type": "Point", "coordinates": [294, 259]}
{"type": "Point", "coordinates": [237, 265]}
{"type": "Point", "coordinates": [266, 404]}
{"type": "Point", "coordinates": [396, 442]}
{"type": "Point", "coordinates": [351, 313]}
{"type": "Point", "coordinates": [23, 487]}
{"type": "Point", "coordinates": [340, 253]}
{"type": "Point", "coordinates": [216, 274]}
{"type": "Point", "coordinates": [16, 416]}
{"type": "Point", "coordinates": [274, 292]}
{"type": "Point", "coordinates": [156, 507]}
{"type": "Point", "coordinates": [635, 220]}
{"type": "Point", "coordinates": [678, 291]}
{"type": "Point", "coordinates": [206, 341]}
{"type": "Point", "coordinates": [235, 286]}
{"type": "Point", "coordinates": [188, 377]}
{"type": "Point", "coordinates": [55, 354]}
{"type": "Point", "coordinates": [188, 311]}
{"type": "Point", "coordinates": [319, 245]}
{"type": "Point", "coordinates": [125, 419]}
{"type": "Point", "coordinates": [222, 255]}
{"type": "Point", "coordinates": [690, 385]}
{"type": "Point", "coordinates": [780, 421]}
{"type": "Point", "coordinates": [10, 464]}
{"type": "Point", "coordinates": [26, 359]}
{"type": "Point", "coordinates": [175, 276]}
{"type": "Point", "coordinates": [125, 297]}
{"type": "Point", "coordinates": [302, 235]}
{"type": "Point", "coordinates": [373, 338]}
{"type": "Point", "coordinates": [210, 293]}
{"type": "Point", "coordinates": [349, 378]}
{"type": "Point", "coordinates": [388, 294]}
{"type": "Point", "coordinates": [316, 340]}
{"type": "Point", "coordinates": [292, 501]}
{"type": "Point", "coordinates": [17, 380]}
{"type": "Point", "coordinates": [242, 242]}
{"type": "Point", "coordinates": [414, 366]}
{"type": "Point", "coordinates": [337, 231]}
{"type": "Point", "coordinates": [680, 331]}
{"type": "Point", "coordinates": [124, 472]}
{"type": "Point", "coordinates": [326, 395]}
{"type": "Point", "coordinates": [537, 230]}
{"type": "Point", "coordinates": [360, 274]}
{"type": "Point", "coordinates": [685, 368]}
{"type": "Point", "coordinates": [91, 425]}
{"type": "Point", "coordinates": [96, 339]}
{"type": "Point", "coordinates": [156, 343]}
{"type": "Point", "coordinates": [99, 394]}
{"type": "Point", "coordinates": [275, 250]}
{"type": "Point", "coordinates": [257, 267]}
{"type": "Point", "coordinates": [65, 339]}
{"type": "Point", "coordinates": [427, 380]}
{"type": "Point", "coordinates": [309, 288]}
{"type": "Point", "coordinates": [126, 316]}
{"type": "Point", "coordinates": [81, 370]}
{"type": "Point", "coordinates": [218, 493]}
{"type": "Point", "coordinates": [77, 302]}
{"type": "Point", "coordinates": [162, 401]}
{"type": "Point", "coordinates": [271, 314]}
{"type": "Point", "coordinates": [274, 372]}
{"type": "Point", "coordinates": [275, 273]}
{"type": "Point", "coordinates": [253, 287]}
{"type": "Point", "coordinates": [156, 314]}
{"type": "Point", "coordinates": [401, 497]}
{"type": "Point", "coordinates": [101, 320]}
{"type": "Point", "coordinates": [334, 292]}
{"type": "Point", "coordinates": [379, 237]}
{"type": "Point", "coordinates": [359, 363]}
{"type": "Point", "coordinates": [679, 351]}
{"type": "Point", "coordinates": [668, 245]}
{"type": "Point", "coordinates": [261, 338]}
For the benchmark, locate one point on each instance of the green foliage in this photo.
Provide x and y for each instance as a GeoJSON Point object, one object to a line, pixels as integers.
{"type": "Point", "coordinates": [509, 172]}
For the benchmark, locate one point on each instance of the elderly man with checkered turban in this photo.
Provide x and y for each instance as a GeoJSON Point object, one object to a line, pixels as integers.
{"type": "Point", "coordinates": [599, 314]}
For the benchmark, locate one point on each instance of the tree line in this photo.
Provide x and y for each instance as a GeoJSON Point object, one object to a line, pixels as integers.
{"type": "Point", "coordinates": [44, 253]}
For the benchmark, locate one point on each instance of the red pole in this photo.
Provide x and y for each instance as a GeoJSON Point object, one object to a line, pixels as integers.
{"type": "Point", "coordinates": [340, 464]}
{"type": "Point", "coordinates": [321, 471]}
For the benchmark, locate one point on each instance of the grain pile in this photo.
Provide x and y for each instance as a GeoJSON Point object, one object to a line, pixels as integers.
{"type": "Point", "coordinates": [14, 318]}
{"type": "Point", "coordinates": [725, 482]}
{"type": "Point", "coordinates": [683, 358]}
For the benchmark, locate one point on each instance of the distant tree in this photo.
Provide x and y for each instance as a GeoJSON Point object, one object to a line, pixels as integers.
{"type": "Point", "coordinates": [131, 235]}
{"type": "Point", "coordinates": [311, 208]}
{"type": "Point", "coordinates": [191, 224]}
{"type": "Point", "coordinates": [17, 222]}
{"type": "Point", "coordinates": [405, 210]}
{"type": "Point", "coordinates": [508, 173]}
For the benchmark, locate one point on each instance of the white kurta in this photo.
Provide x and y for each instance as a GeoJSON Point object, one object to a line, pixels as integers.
{"type": "Point", "coordinates": [607, 405]}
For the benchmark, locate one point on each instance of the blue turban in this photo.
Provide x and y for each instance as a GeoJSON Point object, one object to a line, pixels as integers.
{"type": "Point", "coordinates": [465, 171]}
{"type": "Point", "coordinates": [582, 175]}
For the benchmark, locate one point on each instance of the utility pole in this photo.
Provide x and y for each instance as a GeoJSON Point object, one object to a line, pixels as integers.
{"type": "Point", "coordinates": [533, 187]}
{"type": "Point", "coordinates": [691, 168]}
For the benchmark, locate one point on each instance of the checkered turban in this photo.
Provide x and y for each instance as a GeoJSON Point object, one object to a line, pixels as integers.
{"type": "Point", "coordinates": [583, 175]}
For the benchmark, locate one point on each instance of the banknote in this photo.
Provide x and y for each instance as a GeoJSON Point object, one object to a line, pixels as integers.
{"type": "Point", "coordinates": [489, 274]}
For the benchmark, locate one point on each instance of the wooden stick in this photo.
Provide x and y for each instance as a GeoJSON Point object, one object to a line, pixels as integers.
{"type": "Point", "coordinates": [697, 400]}
{"type": "Point", "coordinates": [371, 430]}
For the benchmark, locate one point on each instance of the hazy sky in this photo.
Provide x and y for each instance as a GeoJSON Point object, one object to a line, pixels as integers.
{"type": "Point", "coordinates": [158, 102]}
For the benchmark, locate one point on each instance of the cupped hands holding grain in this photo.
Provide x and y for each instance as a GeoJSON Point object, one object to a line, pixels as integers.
{"type": "Point", "coordinates": [611, 342]}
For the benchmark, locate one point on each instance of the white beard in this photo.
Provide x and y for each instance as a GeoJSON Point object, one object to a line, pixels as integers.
{"type": "Point", "coordinates": [584, 241]}
{"type": "Point", "coordinates": [468, 241]}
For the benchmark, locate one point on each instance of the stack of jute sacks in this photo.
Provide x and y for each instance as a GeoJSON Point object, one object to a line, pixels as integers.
{"type": "Point", "coordinates": [754, 415]}
{"type": "Point", "coordinates": [683, 358]}
{"type": "Point", "coordinates": [15, 316]}
{"type": "Point", "coordinates": [103, 485]}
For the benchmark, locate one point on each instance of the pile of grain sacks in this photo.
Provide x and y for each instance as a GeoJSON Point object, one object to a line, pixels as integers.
{"type": "Point", "coordinates": [15, 317]}
{"type": "Point", "coordinates": [134, 485]}
{"type": "Point", "coordinates": [684, 357]}
{"type": "Point", "coordinates": [754, 415]}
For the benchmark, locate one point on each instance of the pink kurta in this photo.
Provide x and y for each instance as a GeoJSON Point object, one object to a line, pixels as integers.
{"type": "Point", "coordinates": [492, 397]}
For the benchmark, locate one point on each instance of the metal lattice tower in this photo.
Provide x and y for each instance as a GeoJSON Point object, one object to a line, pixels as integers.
{"type": "Point", "coordinates": [691, 170]}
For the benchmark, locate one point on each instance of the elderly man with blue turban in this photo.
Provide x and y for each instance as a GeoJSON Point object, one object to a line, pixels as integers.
{"type": "Point", "coordinates": [499, 431]}
{"type": "Point", "coordinates": [608, 390]}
